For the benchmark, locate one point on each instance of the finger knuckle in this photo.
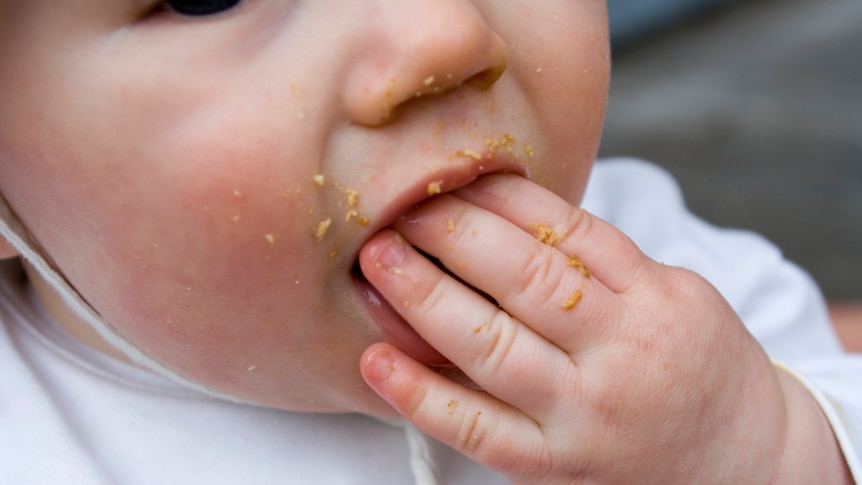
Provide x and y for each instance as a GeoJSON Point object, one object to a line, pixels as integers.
{"type": "Point", "coordinates": [430, 295]}
{"type": "Point", "coordinates": [499, 342]}
{"type": "Point", "coordinates": [577, 221]}
{"type": "Point", "coordinates": [540, 273]}
{"type": "Point", "coordinates": [470, 439]}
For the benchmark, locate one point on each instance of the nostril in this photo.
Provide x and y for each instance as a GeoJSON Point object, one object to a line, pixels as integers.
{"type": "Point", "coordinates": [487, 78]}
{"type": "Point", "coordinates": [394, 64]}
{"type": "Point", "coordinates": [395, 96]}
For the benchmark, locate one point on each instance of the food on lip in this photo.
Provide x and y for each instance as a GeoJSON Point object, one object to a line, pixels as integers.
{"type": "Point", "coordinates": [543, 232]}
{"type": "Point", "coordinates": [450, 225]}
{"type": "Point", "coordinates": [321, 229]}
{"type": "Point", "coordinates": [435, 188]}
{"type": "Point", "coordinates": [507, 142]}
{"type": "Point", "coordinates": [469, 154]}
{"type": "Point", "coordinates": [573, 300]}
{"type": "Point", "coordinates": [270, 238]}
{"type": "Point", "coordinates": [319, 180]}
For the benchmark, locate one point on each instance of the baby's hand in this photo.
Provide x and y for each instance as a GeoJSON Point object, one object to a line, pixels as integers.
{"type": "Point", "coordinates": [594, 362]}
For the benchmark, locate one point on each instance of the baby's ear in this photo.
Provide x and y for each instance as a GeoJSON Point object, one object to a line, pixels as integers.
{"type": "Point", "coordinates": [6, 249]}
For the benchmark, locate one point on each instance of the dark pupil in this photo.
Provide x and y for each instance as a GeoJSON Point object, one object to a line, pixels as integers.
{"type": "Point", "coordinates": [201, 7]}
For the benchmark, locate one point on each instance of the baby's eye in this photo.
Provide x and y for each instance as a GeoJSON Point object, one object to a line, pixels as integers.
{"type": "Point", "coordinates": [200, 7]}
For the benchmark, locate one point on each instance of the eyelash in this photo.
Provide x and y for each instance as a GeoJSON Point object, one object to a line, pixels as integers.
{"type": "Point", "coordinates": [200, 8]}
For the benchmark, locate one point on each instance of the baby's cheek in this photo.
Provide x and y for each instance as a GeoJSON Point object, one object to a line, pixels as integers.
{"type": "Point", "coordinates": [210, 275]}
{"type": "Point", "coordinates": [220, 320]}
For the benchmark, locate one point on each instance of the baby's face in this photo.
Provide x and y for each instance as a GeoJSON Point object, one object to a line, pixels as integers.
{"type": "Point", "coordinates": [206, 182]}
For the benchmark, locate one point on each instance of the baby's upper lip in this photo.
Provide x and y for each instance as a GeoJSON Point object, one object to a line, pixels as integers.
{"type": "Point", "coordinates": [455, 174]}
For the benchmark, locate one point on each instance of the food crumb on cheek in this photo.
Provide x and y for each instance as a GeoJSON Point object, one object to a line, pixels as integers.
{"type": "Point", "coordinates": [352, 204]}
{"type": "Point", "coordinates": [321, 229]}
{"type": "Point", "coordinates": [352, 197]}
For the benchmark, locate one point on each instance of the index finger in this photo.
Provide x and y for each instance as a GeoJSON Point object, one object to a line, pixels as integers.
{"type": "Point", "coordinates": [606, 253]}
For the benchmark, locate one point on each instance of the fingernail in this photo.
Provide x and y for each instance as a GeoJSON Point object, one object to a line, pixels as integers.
{"type": "Point", "coordinates": [392, 255]}
{"type": "Point", "coordinates": [379, 366]}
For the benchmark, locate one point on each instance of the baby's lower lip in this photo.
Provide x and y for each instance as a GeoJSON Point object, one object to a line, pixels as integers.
{"type": "Point", "coordinates": [394, 328]}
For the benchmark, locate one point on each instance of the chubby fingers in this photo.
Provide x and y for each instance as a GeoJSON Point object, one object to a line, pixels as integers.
{"type": "Point", "coordinates": [553, 293]}
{"type": "Point", "coordinates": [505, 357]}
{"type": "Point", "coordinates": [609, 254]}
{"type": "Point", "coordinates": [472, 422]}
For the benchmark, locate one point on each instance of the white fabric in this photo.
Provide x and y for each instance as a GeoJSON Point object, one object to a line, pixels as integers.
{"type": "Point", "coordinates": [16, 235]}
{"type": "Point", "coordinates": [71, 415]}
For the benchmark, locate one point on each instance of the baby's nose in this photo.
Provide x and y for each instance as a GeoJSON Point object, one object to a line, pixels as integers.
{"type": "Point", "coordinates": [419, 48]}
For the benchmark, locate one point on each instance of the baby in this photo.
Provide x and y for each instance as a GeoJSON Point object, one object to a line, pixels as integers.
{"type": "Point", "coordinates": [336, 209]}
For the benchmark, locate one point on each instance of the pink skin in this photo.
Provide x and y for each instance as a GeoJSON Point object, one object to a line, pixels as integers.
{"type": "Point", "coordinates": [166, 164]}
{"type": "Point", "coordinates": [647, 376]}
{"type": "Point", "coordinates": [166, 167]}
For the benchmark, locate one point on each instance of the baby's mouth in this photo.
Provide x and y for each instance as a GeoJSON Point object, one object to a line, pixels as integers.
{"type": "Point", "coordinates": [393, 327]}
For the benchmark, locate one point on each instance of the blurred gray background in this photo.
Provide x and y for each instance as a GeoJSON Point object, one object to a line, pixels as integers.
{"type": "Point", "coordinates": [756, 108]}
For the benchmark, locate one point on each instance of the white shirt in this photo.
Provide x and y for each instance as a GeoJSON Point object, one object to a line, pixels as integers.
{"type": "Point", "coordinates": [69, 414]}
